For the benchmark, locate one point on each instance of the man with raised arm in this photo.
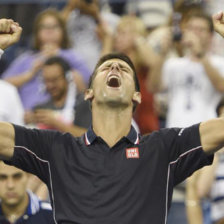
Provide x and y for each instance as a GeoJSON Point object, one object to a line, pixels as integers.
{"type": "Point", "coordinates": [111, 174]}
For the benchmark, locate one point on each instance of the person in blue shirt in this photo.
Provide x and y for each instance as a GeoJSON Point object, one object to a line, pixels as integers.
{"type": "Point", "coordinates": [17, 204]}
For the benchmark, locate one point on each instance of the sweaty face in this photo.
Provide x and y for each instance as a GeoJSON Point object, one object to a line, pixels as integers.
{"type": "Point", "coordinates": [114, 83]}
{"type": "Point", "coordinates": [55, 81]}
{"type": "Point", "coordinates": [13, 184]}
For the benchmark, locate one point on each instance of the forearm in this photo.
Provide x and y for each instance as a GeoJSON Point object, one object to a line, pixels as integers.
{"type": "Point", "coordinates": [193, 205]}
{"type": "Point", "coordinates": [21, 79]}
{"type": "Point", "coordinates": [213, 74]}
{"type": "Point", "coordinates": [206, 179]}
{"type": "Point", "coordinates": [107, 44]}
{"type": "Point", "coordinates": [145, 53]}
{"type": "Point", "coordinates": [154, 79]}
{"type": "Point", "coordinates": [194, 212]}
{"type": "Point", "coordinates": [7, 141]}
{"type": "Point", "coordinates": [66, 12]}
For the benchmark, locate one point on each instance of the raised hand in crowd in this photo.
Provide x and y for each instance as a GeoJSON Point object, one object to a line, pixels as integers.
{"type": "Point", "coordinates": [218, 22]}
{"type": "Point", "coordinates": [10, 33]}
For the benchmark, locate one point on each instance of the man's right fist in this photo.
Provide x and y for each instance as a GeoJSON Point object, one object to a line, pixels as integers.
{"type": "Point", "coordinates": [10, 33]}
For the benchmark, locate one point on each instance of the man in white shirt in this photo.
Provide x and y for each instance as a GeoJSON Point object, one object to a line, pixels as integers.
{"type": "Point", "coordinates": [194, 83]}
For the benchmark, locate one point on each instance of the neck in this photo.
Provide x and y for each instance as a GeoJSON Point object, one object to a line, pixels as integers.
{"type": "Point", "coordinates": [13, 212]}
{"type": "Point", "coordinates": [111, 124]}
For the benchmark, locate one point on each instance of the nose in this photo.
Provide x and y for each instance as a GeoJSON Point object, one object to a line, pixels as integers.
{"type": "Point", "coordinates": [115, 66]}
{"type": "Point", "coordinates": [10, 183]}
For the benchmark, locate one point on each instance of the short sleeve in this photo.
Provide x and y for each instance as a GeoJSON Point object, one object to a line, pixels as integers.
{"type": "Point", "coordinates": [33, 149]}
{"type": "Point", "coordinates": [185, 152]}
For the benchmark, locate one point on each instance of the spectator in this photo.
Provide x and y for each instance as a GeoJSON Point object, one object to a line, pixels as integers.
{"type": "Point", "coordinates": [85, 24]}
{"type": "Point", "coordinates": [50, 39]}
{"type": "Point", "coordinates": [59, 110]}
{"type": "Point", "coordinates": [17, 205]}
{"type": "Point", "coordinates": [194, 82]}
{"type": "Point", "coordinates": [55, 74]}
{"type": "Point", "coordinates": [9, 102]}
{"type": "Point", "coordinates": [207, 184]}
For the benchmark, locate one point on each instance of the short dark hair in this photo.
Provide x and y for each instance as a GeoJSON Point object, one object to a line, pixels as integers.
{"type": "Point", "coordinates": [120, 56]}
{"type": "Point", "coordinates": [202, 15]}
{"type": "Point", "coordinates": [59, 61]}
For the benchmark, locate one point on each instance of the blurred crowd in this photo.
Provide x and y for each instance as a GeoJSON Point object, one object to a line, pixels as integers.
{"type": "Point", "coordinates": [179, 62]}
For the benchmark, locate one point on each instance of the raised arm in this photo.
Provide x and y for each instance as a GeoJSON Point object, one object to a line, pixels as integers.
{"type": "Point", "coordinates": [212, 131]}
{"type": "Point", "coordinates": [10, 33]}
{"type": "Point", "coordinates": [7, 142]}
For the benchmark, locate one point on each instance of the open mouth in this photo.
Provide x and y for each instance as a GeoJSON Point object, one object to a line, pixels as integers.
{"type": "Point", "coordinates": [113, 81]}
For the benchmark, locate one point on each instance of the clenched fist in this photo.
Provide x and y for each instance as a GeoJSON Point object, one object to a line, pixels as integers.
{"type": "Point", "coordinates": [10, 33]}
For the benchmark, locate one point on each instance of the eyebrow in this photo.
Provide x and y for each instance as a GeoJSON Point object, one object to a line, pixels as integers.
{"type": "Point", "coordinates": [122, 65]}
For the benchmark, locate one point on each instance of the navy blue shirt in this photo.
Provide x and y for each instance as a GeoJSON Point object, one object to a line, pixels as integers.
{"type": "Point", "coordinates": [91, 183]}
{"type": "Point", "coordinates": [37, 212]}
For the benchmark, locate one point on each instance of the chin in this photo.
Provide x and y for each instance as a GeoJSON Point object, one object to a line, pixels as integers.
{"type": "Point", "coordinates": [12, 202]}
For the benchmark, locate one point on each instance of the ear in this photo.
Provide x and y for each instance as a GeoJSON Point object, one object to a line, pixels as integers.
{"type": "Point", "coordinates": [89, 94]}
{"type": "Point", "coordinates": [137, 97]}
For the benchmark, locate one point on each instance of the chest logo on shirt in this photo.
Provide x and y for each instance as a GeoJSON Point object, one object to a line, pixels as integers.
{"type": "Point", "coordinates": [132, 153]}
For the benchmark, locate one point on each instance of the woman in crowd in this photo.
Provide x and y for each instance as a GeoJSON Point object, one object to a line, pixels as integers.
{"type": "Point", "coordinates": [49, 38]}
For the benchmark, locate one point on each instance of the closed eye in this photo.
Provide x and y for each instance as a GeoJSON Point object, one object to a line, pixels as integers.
{"type": "Point", "coordinates": [105, 68]}
{"type": "Point", "coordinates": [125, 70]}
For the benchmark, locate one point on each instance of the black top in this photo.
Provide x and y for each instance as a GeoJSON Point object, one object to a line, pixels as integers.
{"type": "Point", "coordinates": [91, 183]}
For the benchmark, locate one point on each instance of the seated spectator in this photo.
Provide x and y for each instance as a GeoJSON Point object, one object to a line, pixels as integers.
{"type": "Point", "coordinates": [17, 204]}
{"type": "Point", "coordinates": [59, 111]}
{"type": "Point", "coordinates": [60, 106]}
{"type": "Point", "coordinates": [50, 38]}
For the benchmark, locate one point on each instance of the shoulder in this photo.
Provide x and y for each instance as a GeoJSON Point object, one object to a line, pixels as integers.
{"type": "Point", "coordinates": [71, 55]}
{"type": "Point", "coordinates": [175, 62]}
{"type": "Point", "coordinates": [7, 88]}
{"type": "Point", "coordinates": [68, 52]}
{"type": "Point", "coordinates": [6, 85]}
{"type": "Point", "coordinates": [170, 134]}
{"type": "Point", "coordinates": [216, 59]}
{"type": "Point", "coordinates": [25, 56]}
{"type": "Point", "coordinates": [178, 60]}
